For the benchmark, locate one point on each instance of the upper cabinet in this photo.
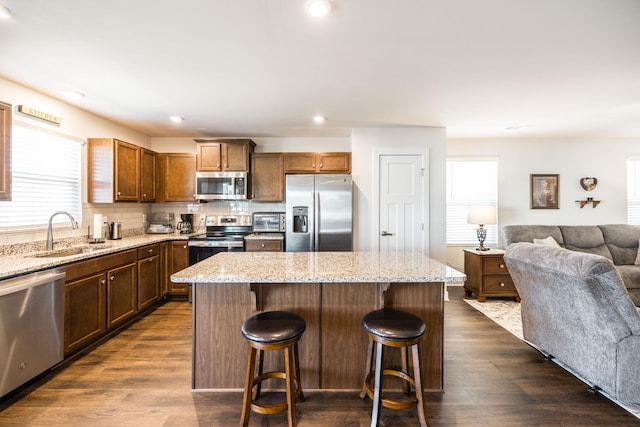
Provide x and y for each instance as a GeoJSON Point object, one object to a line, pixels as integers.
{"type": "Point", "coordinates": [5, 151]}
{"type": "Point", "coordinates": [267, 177]}
{"type": "Point", "coordinates": [339, 162]}
{"type": "Point", "coordinates": [113, 169]}
{"type": "Point", "coordinates": [215, 155]}
{"type": "Point", "coordinates": [176, 177]}
{"type": "Point", "coordinates": [148, 168]}
{"type": "Point", "coordinates": [120, 172]}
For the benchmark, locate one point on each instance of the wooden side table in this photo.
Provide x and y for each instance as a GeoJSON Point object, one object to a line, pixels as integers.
{"type": "Point", "coordinates": [487, 275]}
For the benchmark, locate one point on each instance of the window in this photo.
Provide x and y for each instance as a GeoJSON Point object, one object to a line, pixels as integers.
{"type": "Point", "coordinates": [46, 175]}
{"type": "Point", "coordinates": [633, 191]}
{"type": "Point", "coordinates": [470, 182]}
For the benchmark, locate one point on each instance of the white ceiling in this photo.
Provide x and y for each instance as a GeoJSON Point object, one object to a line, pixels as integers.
{"type": "Point", "coordinates": [257, 68]}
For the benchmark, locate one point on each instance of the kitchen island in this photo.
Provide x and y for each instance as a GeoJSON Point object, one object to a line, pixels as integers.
{"type": "Point", "coordinates": [332, 291]}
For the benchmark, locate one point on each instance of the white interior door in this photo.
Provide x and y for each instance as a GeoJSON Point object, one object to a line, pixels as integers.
{"type": "Point", "coordinates": [403, 204]}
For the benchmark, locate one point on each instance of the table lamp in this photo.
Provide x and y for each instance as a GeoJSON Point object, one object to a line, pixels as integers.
{"type": "Point", "coordinates": [481, 215]}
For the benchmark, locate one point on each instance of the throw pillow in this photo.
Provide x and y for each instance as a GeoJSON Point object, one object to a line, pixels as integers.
{"type": "Point", "coordinates": [638, 256]}
{"type": "Point", "coordinates": [549, 241]}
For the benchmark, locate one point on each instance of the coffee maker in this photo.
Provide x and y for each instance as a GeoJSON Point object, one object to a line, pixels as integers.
{"type": "Point", "coordinates": [186, 223]}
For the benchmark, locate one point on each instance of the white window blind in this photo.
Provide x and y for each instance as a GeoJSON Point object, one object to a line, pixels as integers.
{"type": "Point", "coordinates": [470, 182]}
{"type": "Point", "coordinates": [633, 191]}
{"type": "Point", "coordinates": [46, 177]}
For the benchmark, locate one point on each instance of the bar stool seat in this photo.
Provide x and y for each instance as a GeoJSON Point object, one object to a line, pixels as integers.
{"type": "Point", "coordinates": [393, 328]}
{"type": "Point", "coordinates": [272, 330]}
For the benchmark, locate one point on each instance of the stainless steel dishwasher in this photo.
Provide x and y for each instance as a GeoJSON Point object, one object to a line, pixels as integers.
{"type": "Point", "coordinates": [31, 326]}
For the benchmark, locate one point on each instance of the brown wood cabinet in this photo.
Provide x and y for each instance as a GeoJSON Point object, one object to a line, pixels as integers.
{"type": "Point", "coordinates": [267, 177]}
{"type": "Point", "coordinates": [5, 151]}
{"type": "Point", "coordinates": [113, 170]}
{"type": "Point", "coordinates": [487, 275]}
{"type": "Point", "coordinates": [148, 168]}
{"type": "Point", "coordinates": [214, 155]}
{"type": "Point", "coordinates": [86, 302]}
{"type": "Point", "coordinates": [336, 162]}
{"type": "Point", "coordinates": [85, 308]}
{"type": "Point", "coordinates": [263, 245]}
{"type": "Point", "coordinates": [148, 276]}
{"type": "Point", "coordinates": [121, 294]}
{"type": "Point", "coordinates": [176, 177]}
{"type": "Point", "coordinates": [179, 261]}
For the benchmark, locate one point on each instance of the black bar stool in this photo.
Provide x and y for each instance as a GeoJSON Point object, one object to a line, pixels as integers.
{"type": "Point", "coordinates": [272, 330]}
{"type": "Point", "coordinates": [394, 328]}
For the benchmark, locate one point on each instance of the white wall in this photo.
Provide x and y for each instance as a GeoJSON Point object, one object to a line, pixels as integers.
{"type": "Point", "coordinates": [572, 159]}
{"type": "Point", "coordinates": [367, 141]}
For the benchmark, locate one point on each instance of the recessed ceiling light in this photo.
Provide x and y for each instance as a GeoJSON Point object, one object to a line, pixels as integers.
{"type": "Point", "coordinates": [176, 119]}
{"type": "Point", "coordinates": [319, 119]}
{"type": "Point", "coordinates": [72, 94]}
{"type": "Point", "coordinates": [4, 12]}
{"type": "Point", "coordinates": [318, 8]}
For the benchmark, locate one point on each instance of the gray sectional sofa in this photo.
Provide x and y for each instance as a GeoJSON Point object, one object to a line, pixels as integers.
{"type": "Point", "coordinates": [617, 242]}
{"type": "Point", "coordinates": [575, 309]}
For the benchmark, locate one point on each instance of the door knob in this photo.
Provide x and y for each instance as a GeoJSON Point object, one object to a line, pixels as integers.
{"type": "Point", "coordinates": [386, 233]}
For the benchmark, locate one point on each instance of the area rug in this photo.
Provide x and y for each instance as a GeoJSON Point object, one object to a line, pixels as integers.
{"type": "Point", "coordinates": [506, 313]}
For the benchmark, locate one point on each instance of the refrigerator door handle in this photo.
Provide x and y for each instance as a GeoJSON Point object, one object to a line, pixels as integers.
{"type": "Point", "coordinates": [316, 228]}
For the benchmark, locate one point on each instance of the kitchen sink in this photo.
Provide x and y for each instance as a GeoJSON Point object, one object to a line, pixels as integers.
{"type": "Point", "coordinates": [59, 253]}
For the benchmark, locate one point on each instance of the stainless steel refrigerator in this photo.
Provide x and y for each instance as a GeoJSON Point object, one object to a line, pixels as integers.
{"type": "Point", "coordinates": [319, 213]}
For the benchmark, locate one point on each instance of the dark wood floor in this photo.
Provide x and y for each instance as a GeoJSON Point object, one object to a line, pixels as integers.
{"type": "Point", "coordinates": [142, 377]}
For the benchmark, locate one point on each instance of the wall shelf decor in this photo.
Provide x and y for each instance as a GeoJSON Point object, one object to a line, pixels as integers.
{"type": "Point", "coordinates": [587, 201]}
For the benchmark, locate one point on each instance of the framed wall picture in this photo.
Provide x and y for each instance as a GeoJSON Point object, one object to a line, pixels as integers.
{"type": "Point", "coordinates": [545, 191]}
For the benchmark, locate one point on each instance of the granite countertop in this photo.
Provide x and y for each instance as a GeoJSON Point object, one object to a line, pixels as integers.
{"type": "Point", "coordinates": [26, 261]}
{"type": "Point", "coordinates": [311, 267]}
{"type": "Point", "coordinates": [264, 236]}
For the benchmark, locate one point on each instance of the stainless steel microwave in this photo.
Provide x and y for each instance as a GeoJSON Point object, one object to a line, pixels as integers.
{"type": "Point", "coordinates": [221, 185]}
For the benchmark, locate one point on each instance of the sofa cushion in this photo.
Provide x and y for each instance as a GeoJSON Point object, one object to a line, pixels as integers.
{"type": "Point", "coordinates": [622, 241]}
{"type": "Point", "coordinates": [585, 238]}
{"type": "Point", "coordinates": [526, 233]}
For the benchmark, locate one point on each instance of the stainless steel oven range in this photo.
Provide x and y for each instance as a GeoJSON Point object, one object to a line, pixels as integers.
{"type": "Point", "coordinates": [224, 233]}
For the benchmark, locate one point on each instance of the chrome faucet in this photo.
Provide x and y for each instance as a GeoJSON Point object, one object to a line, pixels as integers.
{"type": "Point", "coordinates": [74, 225]}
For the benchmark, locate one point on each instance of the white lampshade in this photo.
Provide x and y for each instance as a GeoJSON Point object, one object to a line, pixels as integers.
{"type": "Point", "coordinates": [481, 215]}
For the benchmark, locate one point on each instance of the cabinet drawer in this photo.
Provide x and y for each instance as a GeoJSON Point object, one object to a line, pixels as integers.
{"type": "Point", "coordinates": [263, 245]}
{"type": "Point", "coordinates": [148, 251]}
{"type": "Point", "coordinates": [494, 265]}
{"type": "Point", "coordinates": [498, 284]}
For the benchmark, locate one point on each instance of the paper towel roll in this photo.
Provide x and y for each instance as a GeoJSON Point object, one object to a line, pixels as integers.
{"type": "Point", "coordinates": [97, 226]}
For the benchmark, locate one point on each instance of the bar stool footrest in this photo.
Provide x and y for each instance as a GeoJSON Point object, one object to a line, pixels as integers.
{"type": "Point", "coordinates": [409, 402]}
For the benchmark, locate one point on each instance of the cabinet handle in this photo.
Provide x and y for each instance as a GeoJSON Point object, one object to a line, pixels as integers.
{"type": "Point", "coordinates": [501, 265]}
{"type": "Point", "coordinates": [217, 165]}
{"type": "Point", "coordinates": [119, 193]}
{"type": "Point", "coordinates": [111, 278]}
{"type": "Point", "coordinates": [262, 245]}
{"type": "Point", "coordinates": [313, 165]}
{"type": "Point", "coordinates": [320, 165]}
{"type": "Point", "coordinates": [226, 165]}
{"type": "Point", "coordinates": [144, 196]}
{"type": "Point", "coordinates": [184, 246]}
{"type": "Point", "coordinates": [150, 251]}
{"type": "Point", "coordinates": [501, 284]}
{"type": "Point", "coordinates": [102, 282]}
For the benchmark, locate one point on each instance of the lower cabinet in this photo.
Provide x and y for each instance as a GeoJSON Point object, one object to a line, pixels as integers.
{"type": "Point", "coordinates": [103, 293]}
{"type": "Point", "coordinates": [179, 260]}
{"type": "Point", "coordinates": [100, 293]}
{"type": "Point", "coordinates": [264, 245]}
{"type": "Point", "coordinates": [121, 294]}
{"type": "Point", "coordinates": [84, 310]}
{"type": "Point", "coordinates": [149, 269]}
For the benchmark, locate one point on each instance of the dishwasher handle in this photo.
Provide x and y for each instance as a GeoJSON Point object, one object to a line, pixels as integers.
{"type": "Point", "coordinates": [17, 284]}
